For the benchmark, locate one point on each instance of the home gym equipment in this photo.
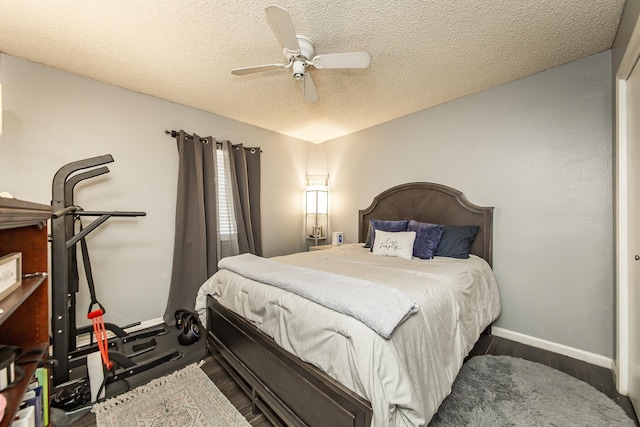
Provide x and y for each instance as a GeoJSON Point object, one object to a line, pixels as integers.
{"type": "Point", "coordinates": [124, 355]}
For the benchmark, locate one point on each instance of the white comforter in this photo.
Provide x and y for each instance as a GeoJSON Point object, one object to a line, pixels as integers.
{"type": "Point", "coordinates": [406, 377]}
{"type": "Point", "coordinates": [380, 307]}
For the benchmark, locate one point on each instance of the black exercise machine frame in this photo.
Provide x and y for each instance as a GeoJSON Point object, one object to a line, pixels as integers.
{"type": "Point", "coordinates": [65, 281]}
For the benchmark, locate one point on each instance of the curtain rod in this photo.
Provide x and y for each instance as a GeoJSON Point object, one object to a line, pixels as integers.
{"type": "Point", "coordinates": [174, 134]}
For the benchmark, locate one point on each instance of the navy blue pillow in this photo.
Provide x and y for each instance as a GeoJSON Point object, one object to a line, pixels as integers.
{"type": "Point", "coordinates": [456, 241]}
{"type": "Point", "coordinates": [391, 226]}
{"type": "Point", "coordinates": [427, 238]}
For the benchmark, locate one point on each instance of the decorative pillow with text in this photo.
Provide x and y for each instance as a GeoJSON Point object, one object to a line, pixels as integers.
{"type": "Point", "coordinates": [398, 244]}
{"type": "Point", "coordinates": [377, 224]}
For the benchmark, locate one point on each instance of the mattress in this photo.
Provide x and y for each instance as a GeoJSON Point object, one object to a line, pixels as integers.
{"type": "Point", "coordinates": [405, 377]}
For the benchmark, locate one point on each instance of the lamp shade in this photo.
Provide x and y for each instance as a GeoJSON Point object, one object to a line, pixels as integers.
{"type": "Point", "coordinates": [317, 202]}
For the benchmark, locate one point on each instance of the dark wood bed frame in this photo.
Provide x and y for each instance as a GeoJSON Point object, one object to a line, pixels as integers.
{"type": "Point", "coordinates": [291, 392]}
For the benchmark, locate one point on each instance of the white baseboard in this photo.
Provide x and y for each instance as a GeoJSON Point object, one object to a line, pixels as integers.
{"type": "Point", "coordinates": [145, 324]}
{"type": "Point", "coordinates": [585, 356]}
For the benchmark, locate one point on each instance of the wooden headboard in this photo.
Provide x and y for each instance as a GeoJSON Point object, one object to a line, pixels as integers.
{"type": "Point", "coordinates": [434, 203]}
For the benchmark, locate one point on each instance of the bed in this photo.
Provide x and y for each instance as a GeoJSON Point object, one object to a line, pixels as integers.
{"type": "Point", "coordinates": [302, 363]}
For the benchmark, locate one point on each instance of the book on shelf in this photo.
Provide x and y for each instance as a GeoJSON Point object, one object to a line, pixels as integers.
{"type": "Point", "coordinates": [42, 376]}
{"type": "Point", "coordinates": [25, 417]}
{"type": "Point", "coordinates": [32, 398]}
{"type": "Point", "coordinates": [36, 396]}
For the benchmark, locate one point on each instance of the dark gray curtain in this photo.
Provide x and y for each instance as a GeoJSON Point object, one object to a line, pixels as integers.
{"type": "Point", "coordinates": [195, 248]}
{"type": "Point", "coordinates": [195, 253]}
{"type": "Point", "coordinates": [245, 173]}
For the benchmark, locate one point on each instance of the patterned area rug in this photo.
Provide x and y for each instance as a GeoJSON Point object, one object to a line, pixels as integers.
{"type": "Point", "coordinates": [508, 391]}
{"type": "Point", "coordinates": [185, 398]}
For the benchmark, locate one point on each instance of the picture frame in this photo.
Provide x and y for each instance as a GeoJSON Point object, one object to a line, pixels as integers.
{"type": "Point", "coordinates": [10, 273]}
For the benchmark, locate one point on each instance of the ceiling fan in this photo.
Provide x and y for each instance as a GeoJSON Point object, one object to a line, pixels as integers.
{"type": "Point", "coordinates": [299, 53]}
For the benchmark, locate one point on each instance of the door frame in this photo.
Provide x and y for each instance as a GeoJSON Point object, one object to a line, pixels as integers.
{"type": "Point", "coordinates": [629, 61]}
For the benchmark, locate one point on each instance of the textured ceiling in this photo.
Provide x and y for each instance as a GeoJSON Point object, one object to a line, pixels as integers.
{"type": "Point", "coordinates": [423, 52]}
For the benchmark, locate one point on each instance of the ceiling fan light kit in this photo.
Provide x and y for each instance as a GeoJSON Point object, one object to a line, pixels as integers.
{"type": "Point", "coordinates": [299, 53]}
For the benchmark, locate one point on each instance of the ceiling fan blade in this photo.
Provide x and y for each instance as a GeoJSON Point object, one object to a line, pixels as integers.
{"type": "Point", "coordinates": [309, 89]}
{"type": "Point", "coordinates": [280, 20]}
{"type": "Point", "coordinates": [343, 60]}
{"type": "Point", "coordinates": [257, 69]}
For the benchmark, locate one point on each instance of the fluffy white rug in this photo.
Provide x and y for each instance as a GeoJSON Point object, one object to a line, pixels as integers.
{"type": "Point", "coordinates": [508, 391]}
{"type": "Point", "coordinates": [185, 398]}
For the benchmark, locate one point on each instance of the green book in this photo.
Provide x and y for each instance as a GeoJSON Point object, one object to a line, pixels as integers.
{"type": "Point", "coordinates": [42, 375]}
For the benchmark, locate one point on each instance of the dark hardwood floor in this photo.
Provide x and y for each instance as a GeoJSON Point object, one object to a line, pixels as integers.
{"type": "Point", "coordinates": [600, 378]}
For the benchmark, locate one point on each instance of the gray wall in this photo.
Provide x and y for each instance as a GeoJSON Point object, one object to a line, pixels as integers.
{"type": "Point", "coordinates": [540, 151]}
{"type": "Point", "coordinates": [52, 118]}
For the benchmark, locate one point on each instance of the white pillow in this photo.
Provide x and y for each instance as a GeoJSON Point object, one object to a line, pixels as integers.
{"type": "Point", "coordinates": [398, 244]}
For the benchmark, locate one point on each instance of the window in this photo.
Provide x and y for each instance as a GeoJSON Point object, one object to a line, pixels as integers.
{"type": "Point", "coordinates": [227, 227]}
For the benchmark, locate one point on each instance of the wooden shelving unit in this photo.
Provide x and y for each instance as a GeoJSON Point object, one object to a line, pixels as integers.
{"type": "Point", "coordinates": [24, 321]}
